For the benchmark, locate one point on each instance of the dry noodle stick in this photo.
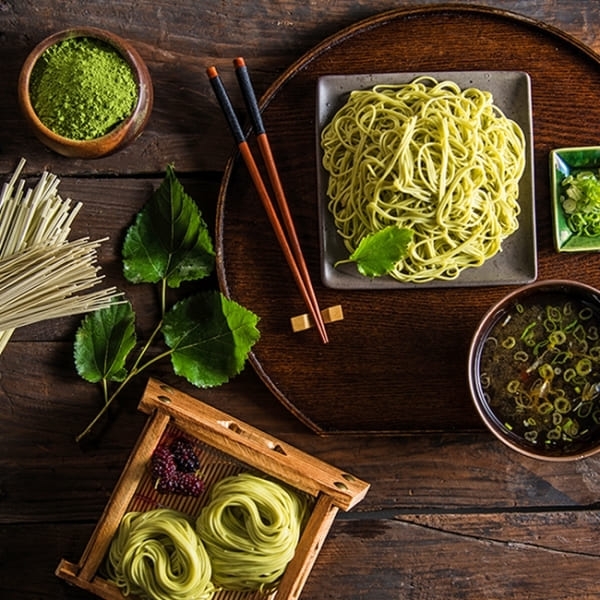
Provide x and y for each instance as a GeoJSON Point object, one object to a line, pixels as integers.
{"type": "Point", "coordinates": [91, 302]}
{"type": "Point", "coordinates": [20, 275]}
{"type": "Point", "coordinates": [45, 282]}
{"type": "Point", "coordinates": [13, 201]}
{"type": "Point", "coordinates": [75, 258]}
{"type": "Point", "coordinates": [40, 223]}
{"type": "Point", "coordinates": [56, 218]}
{"type": "Point", "coordinates": [33, 219]}
{"type": "Point", "coordinates": [15, 271]}
{"type": "Point", "coordinates": [22, 221]}
{"type": "Point", "coordinates": [30, 217]}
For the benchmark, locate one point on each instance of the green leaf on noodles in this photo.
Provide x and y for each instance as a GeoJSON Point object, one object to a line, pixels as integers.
{"type": "Point", "coordinates": [378, 253]}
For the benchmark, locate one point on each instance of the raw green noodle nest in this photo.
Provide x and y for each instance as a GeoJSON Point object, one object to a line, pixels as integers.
{"type": "Point", "coordinates": [157, 555]}
{"type": "Point", "coordinates": [243, 540]}
{"type": "Point", "coordinates": [250, 528]}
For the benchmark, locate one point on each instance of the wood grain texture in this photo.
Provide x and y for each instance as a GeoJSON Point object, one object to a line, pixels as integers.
{"type": "Point", "coordinates": [179, 43]}
{"type": "Point", "coordinates": [406, 559]}
{"type": "Point", "coordinates": [450, 514]}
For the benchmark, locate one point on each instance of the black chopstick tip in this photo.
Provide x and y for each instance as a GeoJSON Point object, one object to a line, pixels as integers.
{"type": "Point", "coordinates": [212, 72]}
{"type": "Point", "coordinates": [239, 62]}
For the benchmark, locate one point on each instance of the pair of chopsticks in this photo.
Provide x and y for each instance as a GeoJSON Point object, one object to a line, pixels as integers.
{"type": "Point", "coordinates": [291, 248]}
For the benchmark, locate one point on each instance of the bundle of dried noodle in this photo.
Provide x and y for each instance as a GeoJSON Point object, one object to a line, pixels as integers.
{"type": "Point", "coordinates": [47, 281]}
{"type": "Point", "coordinates": [41, 272]}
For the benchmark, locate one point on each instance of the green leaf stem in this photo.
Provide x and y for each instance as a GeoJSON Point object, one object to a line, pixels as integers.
{"type": "Point", "coordinates": [208, 337]}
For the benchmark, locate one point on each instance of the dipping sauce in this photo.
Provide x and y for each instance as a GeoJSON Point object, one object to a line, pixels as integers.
{"type": "Point", "coordinates": [540, 371]}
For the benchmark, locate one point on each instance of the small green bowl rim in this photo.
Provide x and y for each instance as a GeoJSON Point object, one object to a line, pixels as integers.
{"type": "Point", "coordinates": [562, 162]}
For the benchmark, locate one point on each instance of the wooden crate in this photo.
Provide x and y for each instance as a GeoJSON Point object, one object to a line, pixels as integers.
{"type": "Point", "coordinates": [227, 446]}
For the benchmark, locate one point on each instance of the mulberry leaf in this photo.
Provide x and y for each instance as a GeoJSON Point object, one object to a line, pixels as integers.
{"type": "Point", "coordinates": [103, 342]}
{"type": "Point", "coordinates": [169, 240]}
{"type": "Point", "coordinates": [210, 337]}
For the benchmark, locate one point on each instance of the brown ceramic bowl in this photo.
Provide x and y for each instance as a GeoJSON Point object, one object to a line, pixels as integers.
{"type": "Point", "coordinates": [117, 138]}
{"type": "Point", "coordinates": [534, 370]}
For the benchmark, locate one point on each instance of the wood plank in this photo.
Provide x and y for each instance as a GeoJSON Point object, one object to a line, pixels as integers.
{"type": "Point", "coordinates": [50, 478]}
{"type": "Point", "coordinates": [570, 532]}
{"type": "Point", "coordinates": [186, 126]}
{"type": "Point", "coordinates": [449, 515]}
{"type": "Point", "coordinates": [384, 556]}
{"type": "Point", "coordinates": [400, 559]}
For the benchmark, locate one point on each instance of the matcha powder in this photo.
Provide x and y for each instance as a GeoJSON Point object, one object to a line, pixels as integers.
{"type": "Point", "coordinates": [81, 88]}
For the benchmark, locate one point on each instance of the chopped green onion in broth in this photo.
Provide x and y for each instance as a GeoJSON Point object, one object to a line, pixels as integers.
{"type": "Point", "coordinates": [540, 372]}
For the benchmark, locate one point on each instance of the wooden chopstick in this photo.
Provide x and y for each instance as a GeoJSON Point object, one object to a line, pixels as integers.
{"type": "Point", "coordinates": [296, 265]}
{"type": "Point", "coordinates": [264, 145]}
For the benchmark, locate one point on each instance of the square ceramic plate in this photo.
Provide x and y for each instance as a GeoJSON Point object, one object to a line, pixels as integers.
{"type": "Point", "coordinates": [516, 264]}
{"type": "Point", "coordinates": [563, 162]}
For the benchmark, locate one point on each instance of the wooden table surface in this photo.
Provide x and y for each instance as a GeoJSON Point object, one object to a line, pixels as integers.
{"type": "Point", "coordinates": [449, 514]}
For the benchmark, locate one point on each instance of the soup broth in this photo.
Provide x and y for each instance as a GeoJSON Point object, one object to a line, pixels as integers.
{"type": "Point", "coordinates": [540, 371]}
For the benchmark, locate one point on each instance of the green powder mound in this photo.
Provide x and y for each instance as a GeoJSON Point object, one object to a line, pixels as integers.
{"type": "Point", "coordinates": [82, 88]}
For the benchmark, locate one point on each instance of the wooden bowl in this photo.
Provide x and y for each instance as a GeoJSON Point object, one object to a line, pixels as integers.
{"type": "Point", "coordinates": [534, 370]}
{"type": "Point", "coordinates": [117, 138]}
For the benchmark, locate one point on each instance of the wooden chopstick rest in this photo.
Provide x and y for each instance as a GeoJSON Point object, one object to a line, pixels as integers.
{"type": "Point", "coordinates": [305, 321]}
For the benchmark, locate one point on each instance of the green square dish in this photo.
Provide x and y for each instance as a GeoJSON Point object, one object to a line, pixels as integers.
{"type": "Point", "coordinates": [563, 162]}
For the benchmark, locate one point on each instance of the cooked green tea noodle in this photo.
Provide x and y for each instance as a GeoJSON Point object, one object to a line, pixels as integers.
{"type": "Point", "coordinates": [250, 528]}
{"type": "Point", "coordinates": [157, 555]}
{"type": "Point", "coordinates": [430, 157]}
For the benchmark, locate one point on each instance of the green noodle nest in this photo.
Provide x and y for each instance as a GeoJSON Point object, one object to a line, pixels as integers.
{"type": "Point", "coordinates": [157, 555]}
{"type": "Point", "coordinates": [250, 528]}
{"type": "Point", "coordinates": [430, 157]}
{"type": "Point", "coordinates": [242, 541]}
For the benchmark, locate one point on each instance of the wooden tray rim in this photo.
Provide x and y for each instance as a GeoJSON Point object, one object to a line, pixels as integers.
{"type": "Point", "coordinates": [302, 63]}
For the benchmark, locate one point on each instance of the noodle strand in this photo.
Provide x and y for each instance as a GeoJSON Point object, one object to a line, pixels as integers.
{"type": "Point", "coordinates": [250, 528]}
{"type": "Point", "coordinates": [429, 157]}
{"type": "Point", "coordinates": [157, 555]}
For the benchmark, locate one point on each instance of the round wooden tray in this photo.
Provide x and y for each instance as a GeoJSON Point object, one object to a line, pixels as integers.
{"type": "Point", "coordinates": [398, 361]}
